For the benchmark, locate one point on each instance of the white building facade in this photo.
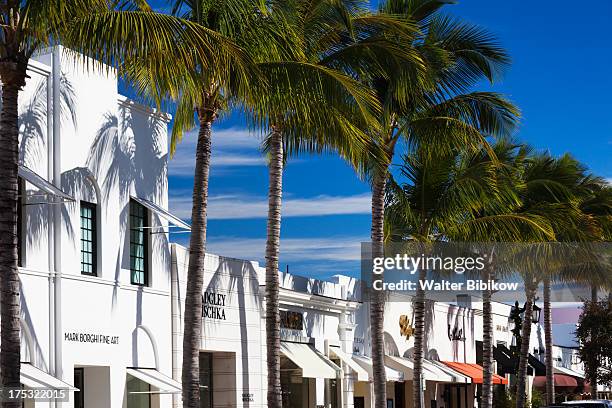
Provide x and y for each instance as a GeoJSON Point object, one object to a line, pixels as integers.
{"type": "Point", "coordinates": [94, 258]}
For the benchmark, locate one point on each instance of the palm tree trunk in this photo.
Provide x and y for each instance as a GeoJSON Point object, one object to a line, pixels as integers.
{"type": "Point", "coordinates": [548, 340]}
{"type": "Point", "coordinates": [521, 394]}
{"type": "Point", "coordinates": [192, 328]}
{"type": "Point", "coordinates": [9, 276]}
{"type": "Point", "coordinates": [377, 301]}
{"type": "Point", "coordinates": [419, 343]}
{"type": "Point", "coordinates": [593, 379]}
{"type": "Point", "coordinates": [275, 193]}
{"type": "Point", "coordinates": [487, 345]}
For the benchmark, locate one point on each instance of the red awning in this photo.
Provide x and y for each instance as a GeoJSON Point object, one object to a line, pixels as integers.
{"type": "Point", "coordinates": [474, 371]}
{"type": "Point", "coordinates": [561, 380]}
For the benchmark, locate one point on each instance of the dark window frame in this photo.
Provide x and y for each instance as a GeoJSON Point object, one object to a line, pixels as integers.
{"type": "Point", "coordinates": [144, 230]}
{"type": "Point", "coordinates": [94, 238]}
{"type": "Point", "coordinates": [79, 396]}
{"type": "Point", "coordinates": [209, 370]}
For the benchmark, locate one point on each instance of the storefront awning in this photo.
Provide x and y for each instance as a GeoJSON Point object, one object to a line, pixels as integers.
{"type": "Point", "coordinates": [431, 372]}
{"type": "Point", "coordinates": [390, 373]}
{"type": "Point", "coordinates": [561, 380]}
{"type": "Point", "coordinates": [162, 383]}
{"type": "Point", "coordinates": [567, 371]}
{"type": "Point", "coordinates": [455, 375]}
{"type": "Point", "coordinates": [33, 377]}
{"type": "Point", "coordinates": [51, 192]}
{"type": "Point", "coordinates": [172, 219]}
{"type": "Point", "coordinates": [362, 375]}
{"type": "Point", "coordinates": [312, 363]}
{"type": "Point", "coordinates": [474, 371]}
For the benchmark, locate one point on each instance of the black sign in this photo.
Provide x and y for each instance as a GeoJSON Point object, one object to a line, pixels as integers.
{"type": "Point", "coordinates": [213, 305]}
{"type": "Point", "coordinates": [95, 338]}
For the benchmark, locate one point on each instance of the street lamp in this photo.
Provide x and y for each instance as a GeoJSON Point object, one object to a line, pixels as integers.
{"type": "Point", "coordinates": [535, 316]}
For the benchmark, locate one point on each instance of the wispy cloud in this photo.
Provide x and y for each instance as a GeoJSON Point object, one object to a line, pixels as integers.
{"type": "Point", "coordinates": [231, 147]}
{"type": "Point", "coordinates": [243, 207]}
{"type": "Point", "coordinates": [332, 249]}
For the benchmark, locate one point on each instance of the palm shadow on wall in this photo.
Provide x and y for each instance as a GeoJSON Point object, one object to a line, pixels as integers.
{"type": "Point", "coordinates": [128, 157]}
{"type": "Point", "coordinates": [33, 149]}
{"type": "Point", "coordinates": [37, 356]}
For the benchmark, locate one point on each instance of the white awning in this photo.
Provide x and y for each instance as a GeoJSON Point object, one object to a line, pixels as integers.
{"type": "Point", "coordinates": [567, 371]}
{"type": "Point", "coordinates": [33, 377]}
{"type": "Point", "coordinates": [162, 383]}
{"type": "Point", "coordinates": [172, 219]}
{"type": "Point", "coordinates": [310, 360]}
{"type": "Point", "coordinates": [362, 375]}
{"type": "Point", "coordinates": [431, 371]}
{"type": "Point", "coordinates": [390, 373]}
{"type": "Point", "coordinates": [46, 188]}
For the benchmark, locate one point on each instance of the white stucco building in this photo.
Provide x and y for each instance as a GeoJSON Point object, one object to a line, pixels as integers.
{"type": "Point", "coordinates": [94, 255]}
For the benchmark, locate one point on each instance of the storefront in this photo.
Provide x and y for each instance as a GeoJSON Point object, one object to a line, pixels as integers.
{"type": "Point", "coordinates": [317, 328]}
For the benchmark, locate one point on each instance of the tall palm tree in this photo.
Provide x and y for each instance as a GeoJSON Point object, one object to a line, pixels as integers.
{"type": "Point", "coordinates": [288, 98]}
{"type": "Point", "coordinates": [463, 196]}
{"type": "Point", "coordinates": [592, 197]}
{"type": "Point", "coordinates": [203, 97]}
{"type": "Point", "coordinates": [109, 31]}
{"type": "Point", "coordinates": [317, 106]}
{"type": "Point", "coordinates": [437, 108]}
{"type": "Point", "coordinates": [551, 185]}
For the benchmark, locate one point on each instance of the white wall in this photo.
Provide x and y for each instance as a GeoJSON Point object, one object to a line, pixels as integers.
{"type": "Point", "coordinates": [110, 149]}
{"type": "Point", "coordinates": [238, 361]}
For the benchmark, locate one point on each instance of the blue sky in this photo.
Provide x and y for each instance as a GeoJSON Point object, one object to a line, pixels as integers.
{"type": "Point", "coordinates": [560, 78]}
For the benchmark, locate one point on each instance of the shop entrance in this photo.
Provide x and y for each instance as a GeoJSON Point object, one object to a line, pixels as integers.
{"type": "Point", "coordinates": [457, 395]}
{"type": "Point", "coordinates": [217, 379]}
{"type": "Point", "coordinates": [93, 383]}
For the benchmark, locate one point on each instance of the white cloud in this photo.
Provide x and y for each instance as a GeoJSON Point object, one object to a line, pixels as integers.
{"type": "Point", "coordinates": [242, 207]}
{"type": "Point", "coordinates": [231, 147]}
{"type": "Point", "coordinates": [328, 249]}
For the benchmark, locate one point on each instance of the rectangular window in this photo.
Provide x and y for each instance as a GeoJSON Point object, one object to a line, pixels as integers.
{"type": "Point", "coordinates": [88, 239]}
{"type": "Point", "coordinates": [139, 244]}
{"type": "Point", "coordinates": [138, 393]}
{"type": "Point", "coordinates": [291, 320]}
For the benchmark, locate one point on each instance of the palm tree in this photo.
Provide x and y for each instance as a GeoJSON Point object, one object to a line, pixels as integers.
{"type": "Point", "coordinates": [551, 188]}
{"type": "Point", "coordinates": [463, 196]}
{"type": "Point", "coordinates": [287, 99]}
{"type": "Point", "coordinates": [111, 33]}
{"type": "Point", "coordinates": [434, 108]}
{"type": "Point", "coordinates": [592, 197]}
{"type": "Point", "coordinates": [317, 106]}
{"type": "Point", "coordinates": [204, 95]}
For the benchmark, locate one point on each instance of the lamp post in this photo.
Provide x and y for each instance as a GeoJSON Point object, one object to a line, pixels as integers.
{"type": "Point", "coordinates": [535, 316]}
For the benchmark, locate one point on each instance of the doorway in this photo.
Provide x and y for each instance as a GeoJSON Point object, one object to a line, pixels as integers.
{"type": "Point", "coordinates": [79, 382]}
